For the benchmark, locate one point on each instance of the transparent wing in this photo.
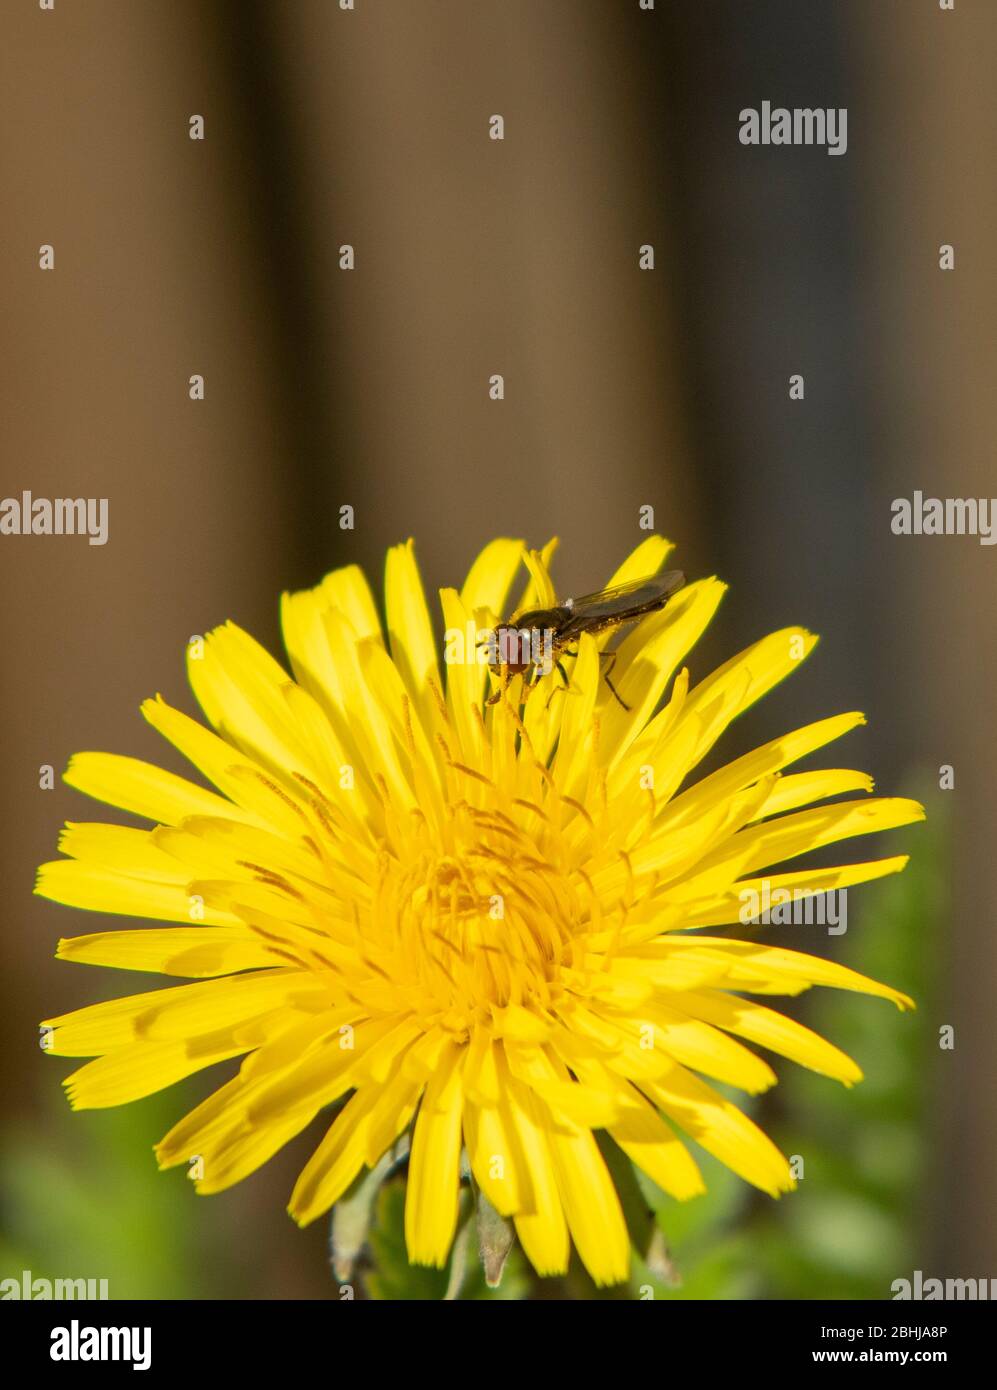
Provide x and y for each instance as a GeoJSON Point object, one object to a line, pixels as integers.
{"type": "Point", "coordinates": [624, 602]}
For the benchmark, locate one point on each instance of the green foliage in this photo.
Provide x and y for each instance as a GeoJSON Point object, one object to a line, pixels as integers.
{"type": "Point", "coordinates": [391, 1276]}
{"type": "Point", "coordinates": [106, 1214]}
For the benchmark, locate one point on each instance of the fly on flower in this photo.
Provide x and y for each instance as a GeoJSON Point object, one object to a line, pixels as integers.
{"type": "Point", "coordinates": [531, 644]}
{"type": "Point", "coordinates": [336, 938]}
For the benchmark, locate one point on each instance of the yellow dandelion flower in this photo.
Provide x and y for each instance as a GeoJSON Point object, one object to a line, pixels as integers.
{"type": "Point", "coordinates": [487, 924]}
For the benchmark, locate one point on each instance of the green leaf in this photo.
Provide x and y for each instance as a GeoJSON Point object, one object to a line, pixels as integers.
{"type": "Point", "coordinates": [392, 1277]}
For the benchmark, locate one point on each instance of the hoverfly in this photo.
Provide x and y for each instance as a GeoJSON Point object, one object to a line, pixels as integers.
{"type": "Point", "coordinates": [530, 644]}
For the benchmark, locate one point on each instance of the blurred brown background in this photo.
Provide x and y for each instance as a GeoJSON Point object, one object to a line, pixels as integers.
{"type": "Point", "coordinates": [370, 387]}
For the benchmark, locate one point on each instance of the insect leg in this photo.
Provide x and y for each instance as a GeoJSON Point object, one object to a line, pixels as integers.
{"type": "Point", "coordinates": [504, 679]}
{"type": "Point", "coordinates": [616, 693]}
{"type": "Point", "coordinates": [559, 666]}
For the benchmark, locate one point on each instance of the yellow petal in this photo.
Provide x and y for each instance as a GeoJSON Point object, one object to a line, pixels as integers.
{"type": "Point", "coordinates": [465, 681]}
{"type": "Point", "coordinates": [644, 560]}
{"type": "Point", "coordinates": [789, 836]}
{"type": "Point", "coordinates": [736, 685]}
{"type": "Point", "coordinates": [336, 1161]}
{"type": "Point", "coordinates": [190, 951]}
{"type": "Point", "coordinates": [705, 1049]}
{"type": "Point", "coordinates": [132, 853]}
{"type": "Point", "coordinates": [313, 653]}
{"type": "Point", "coordinates": [542, 1230]}
{"type": "Point", "coordinates": [770, 969]}
{"type": "Point", "coordinates": [591, 1205]}
{"type": "Point", "coordinates": [210, 754]}
{"type": "Point", "coordinates": [181, 1013]}
{"type": "Point", "coordinates": [569, 1100]}
{"type": "Point", "coordinates": [347, 592]}
{"type": "Point", "coordinates": [541, 593]}
{"type": "Point", "coordinates": [647, 659]}
{"type": "Point", "coordinates": [721, 1129]}
{"type": "Point", "coordinates": [245, 1150]}
{"type": "Point", "coordinates": [751, 767]}
{"type": "Point", "coordinates": [737, 903]}
{"type": "Point", "coordinates": [431, 1201]}
{"type": "Point", "coordinates": [490, 578]}
{"type": "Point", "coordinates": [802, 788]}
{"type": "Point", "coordinates": [332, 1070]}
{"type": "Point", "coordinates": [410, 631]}
{"type": "Point", "coordinates": [770, 1029]}
{"type": "Point", "coordinates": [650, 1143]}
{"type": "Point", "coordinates": [495, 1156]}
{"type": "Point", "coordinates": [75, 883]}
{"type": "Point", "coordinates": [141, 1070]}
{"type": "Point", "coordinates": [142, 788]}
{"type": "Point", "coordinates": [240, 688]}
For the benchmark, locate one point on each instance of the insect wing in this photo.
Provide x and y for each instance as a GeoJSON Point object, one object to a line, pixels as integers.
{"type": "Point", "coordinates": [623, 602]}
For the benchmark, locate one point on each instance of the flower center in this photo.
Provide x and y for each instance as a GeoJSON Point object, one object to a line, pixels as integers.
{"type": "Point", "coordinates": [473, 924]}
